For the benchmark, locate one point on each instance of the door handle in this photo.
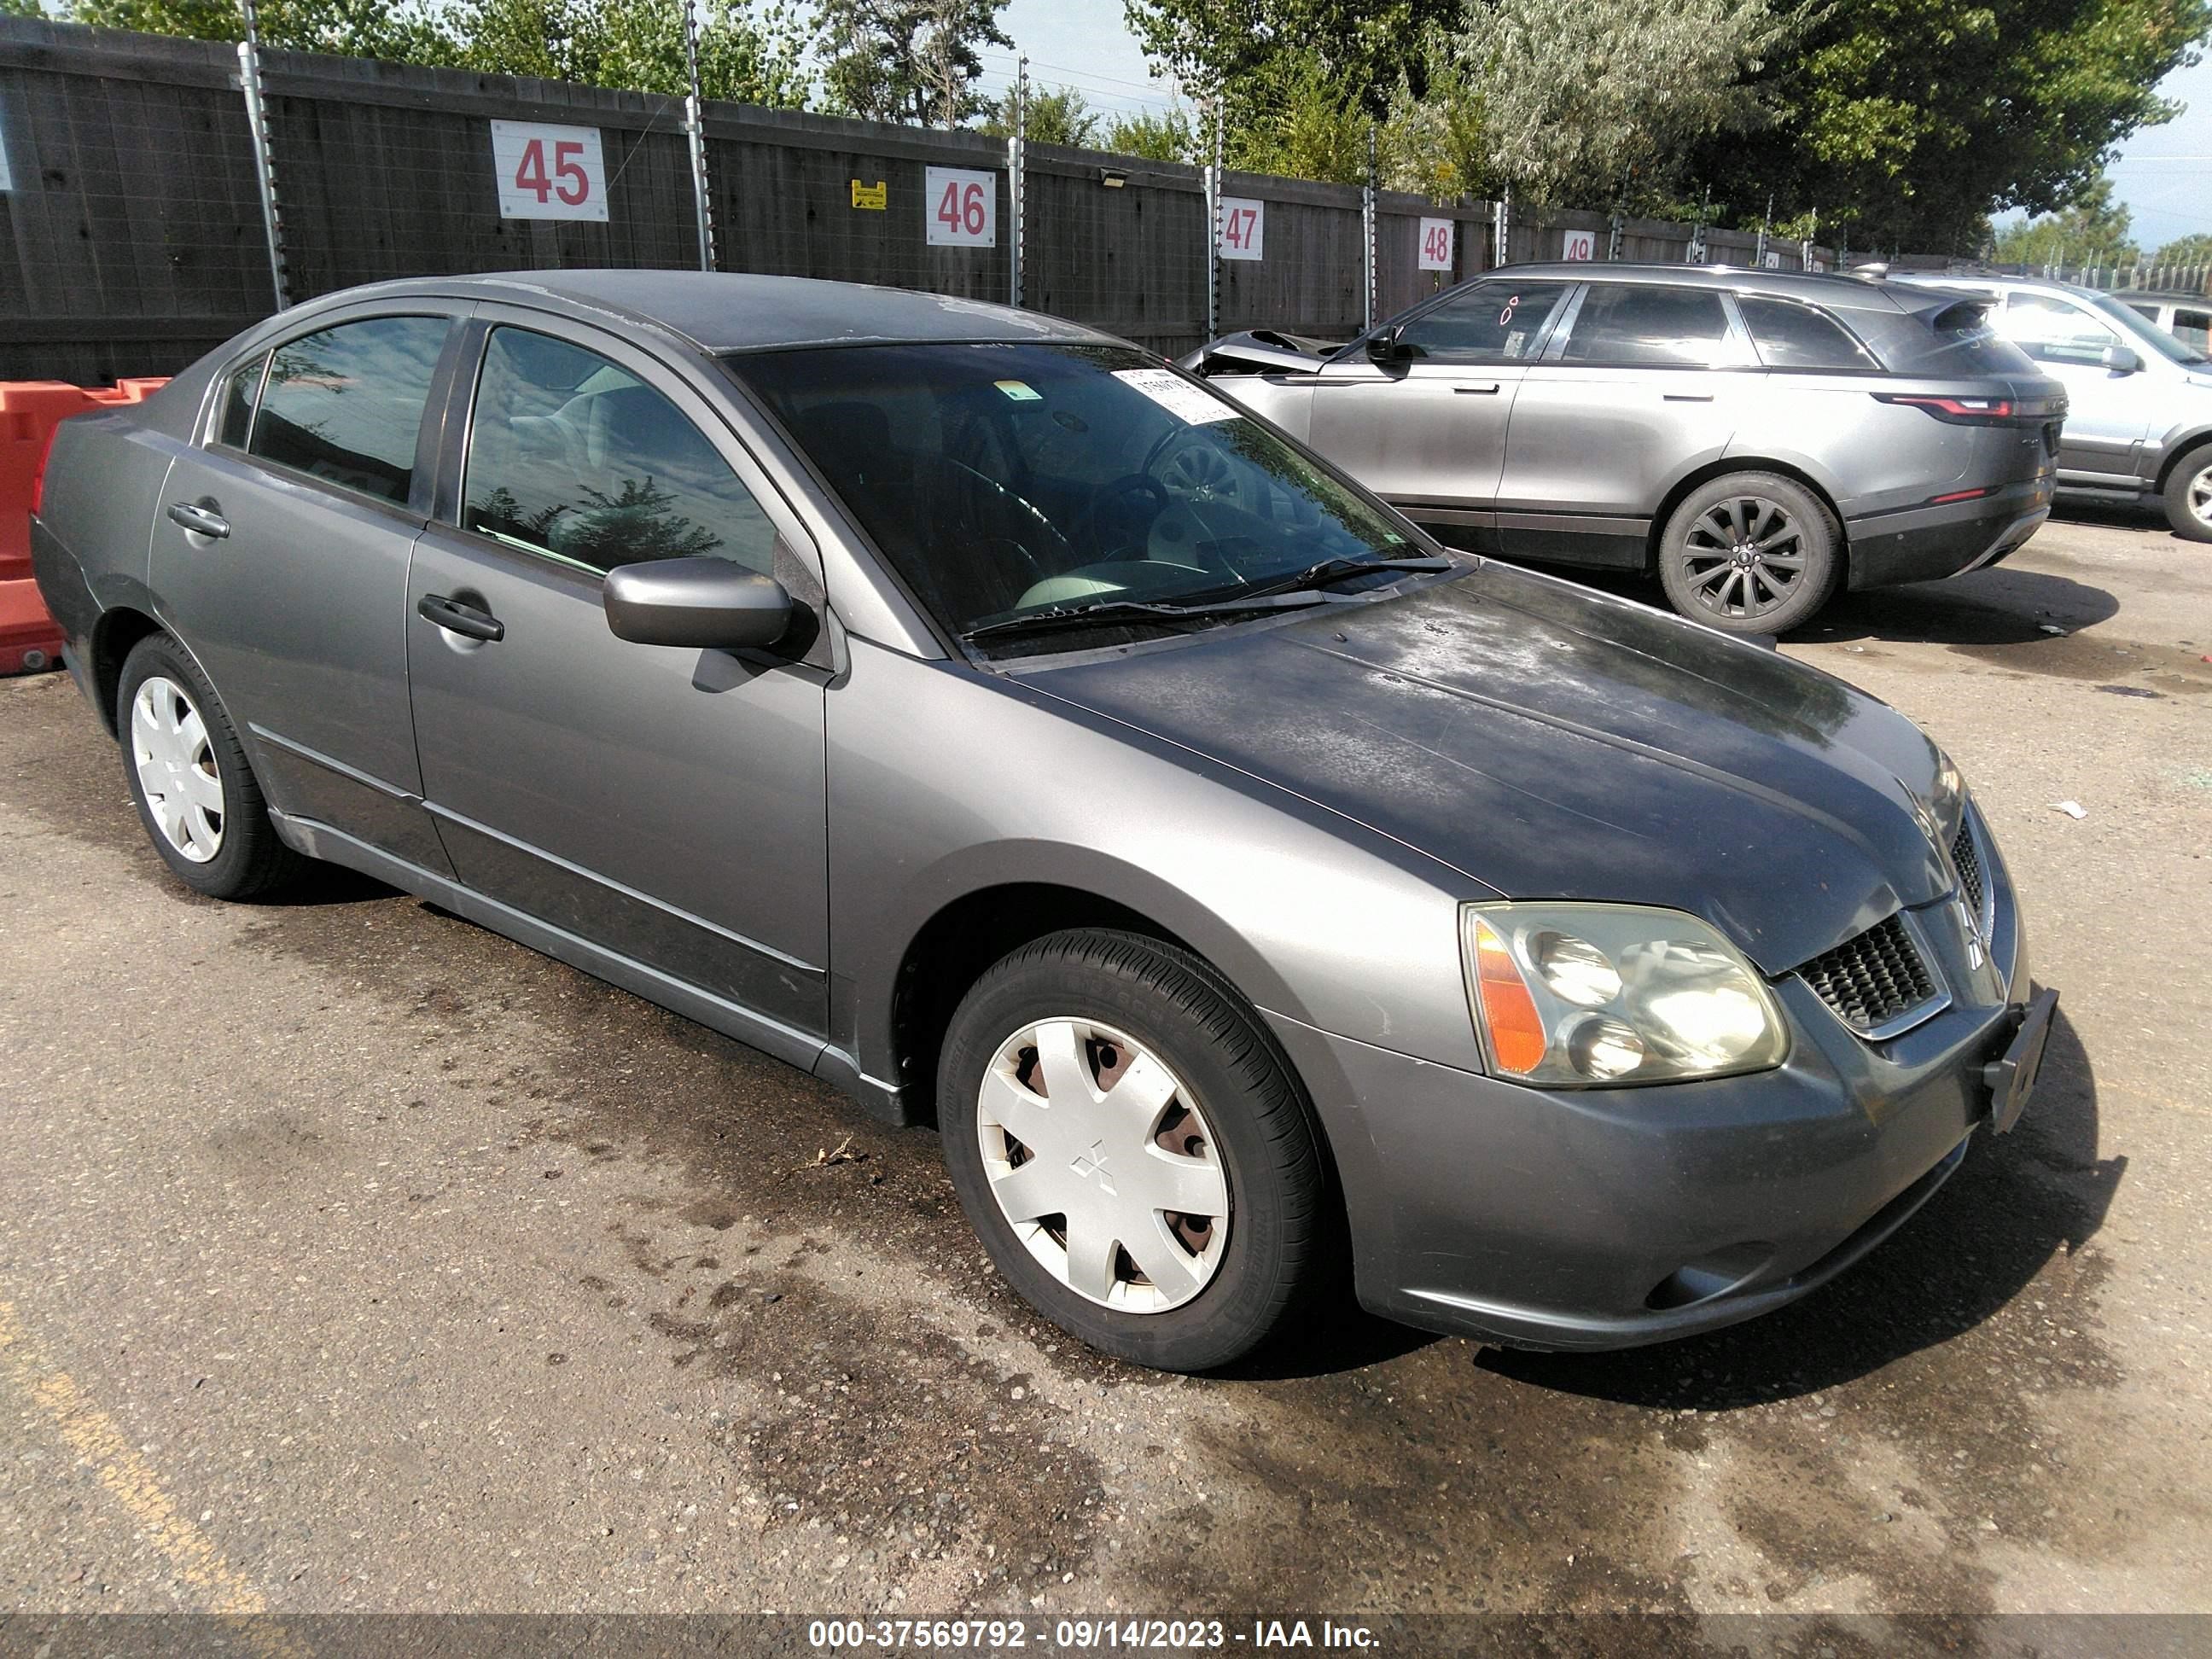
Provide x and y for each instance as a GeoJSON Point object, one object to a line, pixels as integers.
{"type": "Point", "coordinates": [1686, 396]}
{"type": "Point", "coordinates": [200, 520]}
{"type": "Point", "coordinates": [457, 618]}
{"type": "Point", "coordinates": [1476, 391]}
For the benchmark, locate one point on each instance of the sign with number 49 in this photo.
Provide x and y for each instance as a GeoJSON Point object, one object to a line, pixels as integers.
{"type": "Point", "coordinates": [962, 207]}
{"type": "Point", "coordinates": [549, 172]}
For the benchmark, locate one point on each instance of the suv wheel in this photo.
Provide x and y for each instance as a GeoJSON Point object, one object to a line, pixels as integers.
{"type": "Point", "coordinates": [1750, 553]}
{"type": "Point", "coordinates": [188, 777]}
{"type": "Point", "coordinates": [1131, 1150]}
{"type": "Point", "coordinates": [2188, 495]}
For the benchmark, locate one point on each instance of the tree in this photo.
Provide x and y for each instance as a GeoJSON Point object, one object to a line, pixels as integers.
{"type": "Point", "coordinates": [1365, 47]}
{"type": "Point", "coordinates": [1588, 101]}
{"type": "Point", "coordinates": [2092, 230]}
{"type": "Point", "coordinates": [413, 31]}
{"type": "Point", "coordinates": [908, 60]}
{"type": "Point", "coordinates": [1906, 121]}
{"type": "Point", "coordinates": [1168, 136]}
{"type": "Point", "coordinates": [1060, 116]}
{"type": "Point", "coordinates": [1296, 119]}
{"type": "Point", "coordinates": [749, 55]}
{"type": "Point", "coordinates": [2191, 250]}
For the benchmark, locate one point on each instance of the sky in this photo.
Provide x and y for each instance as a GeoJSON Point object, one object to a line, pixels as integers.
{"type": "Point", "coordinates": [2164, 174]}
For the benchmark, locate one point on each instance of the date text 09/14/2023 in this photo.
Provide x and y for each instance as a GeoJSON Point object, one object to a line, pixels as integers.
{"type": "Point", "coordinates": [1083, 1635]}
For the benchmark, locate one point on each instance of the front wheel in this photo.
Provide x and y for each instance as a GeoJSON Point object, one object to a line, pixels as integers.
{"type": "Point", "coordinates": [2189, 495]}
{"type": "Point", "coordinates": [1131, 1151]}
{"type": "Point", "coordinates": [1750, 553]}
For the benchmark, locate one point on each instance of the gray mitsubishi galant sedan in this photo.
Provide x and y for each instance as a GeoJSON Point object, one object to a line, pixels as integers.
{"type": "Point", "coordinates": [975, 711]}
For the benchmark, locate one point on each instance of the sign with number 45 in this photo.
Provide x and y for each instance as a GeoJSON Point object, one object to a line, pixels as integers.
{"type": "Point", "coordinates": [549, 172]}
{"type": "Point", "coordinates": [962, 207]}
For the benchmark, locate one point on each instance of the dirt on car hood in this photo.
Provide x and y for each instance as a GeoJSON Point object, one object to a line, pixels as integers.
{"type": "Point", "coordinates": [1553, 743]}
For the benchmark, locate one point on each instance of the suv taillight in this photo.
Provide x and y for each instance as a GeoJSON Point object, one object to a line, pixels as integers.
{"type": "Point", "coordinates": [1959, 411]}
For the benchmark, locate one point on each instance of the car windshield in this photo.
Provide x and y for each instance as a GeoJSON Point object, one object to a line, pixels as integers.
{"type": "Point", "coordinates": [1006, 481]}
{"type": "Point", "coordinates": [2141, 329]}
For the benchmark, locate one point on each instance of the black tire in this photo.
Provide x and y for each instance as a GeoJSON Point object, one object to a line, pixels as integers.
{"type": "Point", "coordinates": [1704, 579]}
{"type": "Point", "coordinates": [2189, 495]}
{"type": "Point", "coordinates": [249, 860]}
{"type": "Point", "coordinates": [1275, 1258]}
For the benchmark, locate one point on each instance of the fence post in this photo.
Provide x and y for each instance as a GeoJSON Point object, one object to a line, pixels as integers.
{"type": "Point", "coordinates": [1759, 250]}
{"type": "Point", "coordinates": [1214, 227]}
{"type": "Point", "coordinates": [1017, 161]}
{"type": "Point", "coordinates": [1501, 218]}
{"type": "Point", "coordinates": [1612, 241]}
{"type": "Point", "coordinates": [694, 132]}
{"type": "Point", "coordinates": [1367, 225]}
{"type": "Point", "coordinates": [265, 165]}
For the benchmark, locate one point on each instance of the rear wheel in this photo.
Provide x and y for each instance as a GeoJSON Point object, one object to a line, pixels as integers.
{"type": "Point", "coordinates": [2188, 495]}
{"type": "Point", "coordinates": [1131, 1151]}
{"type": "Point", "coordinates": [189, 778]}
{"type": "Point", "coordinates": [1750, 553]}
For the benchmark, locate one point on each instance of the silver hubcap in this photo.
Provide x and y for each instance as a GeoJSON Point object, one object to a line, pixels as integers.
{"type": "Point", "coordinates": [1744, 556]}
{"type": "Point", "coordinates": [2200, 496]}
{"type": "Point", "coordinates": [1103, 1165]}
{"type": "Point", "coordinates": [177, 771]}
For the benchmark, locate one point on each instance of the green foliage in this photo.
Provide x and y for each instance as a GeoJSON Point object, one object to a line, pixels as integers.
{"type": "Point", "coordinates": [1908, 121]}
{"type": "Point", "coordinates": [2191, 250]}
{"type": "Point", "coordinates": [1055, 117]}
{"type": "Point", "coordinates": [1365, 46]}
{"type": "Point", "coordinates": [21, 8]}
{"type": "Point", "coordinates": [908, 60]}
{"type": "Point", "coordinates": [414, 31]}
{"type": "Point", "coordinates": [2092, 230]}
{"type": "Point", "coordinates": [1299, 119]}
{"type": "Point", "coordinates": [1168, 136]}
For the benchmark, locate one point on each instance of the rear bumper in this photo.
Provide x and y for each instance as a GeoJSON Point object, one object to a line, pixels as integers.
{"type": "Point", "coordinates": [1925, 544]}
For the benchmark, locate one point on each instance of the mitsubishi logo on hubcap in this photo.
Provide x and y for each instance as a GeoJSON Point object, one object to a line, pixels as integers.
{"type": "Point", "coordinates": [1093, 1163]}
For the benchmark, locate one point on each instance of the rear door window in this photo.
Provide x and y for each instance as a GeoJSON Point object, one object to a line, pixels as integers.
{"type": "Point", "coordinates": [1487, 323]}
{"type": "Point", "coordinates": [572, 456]}
{"type": "Point", "coordinates": [1789, 335]}
{"type": "Point", "coordinates": [2193, 329]}
{"type": "Point", "coordinates": [345, 405]}
{"type": "Point", "coordinates": [1655, 327]}
{"type": "Point", "coordinates": [2054, 330]}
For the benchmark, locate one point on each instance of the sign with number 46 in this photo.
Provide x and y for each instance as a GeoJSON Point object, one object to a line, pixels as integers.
{"type": "Point", "coordinates": [962, 207]}
{"type": "Point", "coordinates": [549, 172]}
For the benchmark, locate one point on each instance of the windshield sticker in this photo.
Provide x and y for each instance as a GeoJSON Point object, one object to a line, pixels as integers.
{"type": "Point", "coordinates": [1020, 391]}
{"type": "Point", "coordinates": [1176, 395]}
{"type": "Point", "coordinates": [1514, 341]}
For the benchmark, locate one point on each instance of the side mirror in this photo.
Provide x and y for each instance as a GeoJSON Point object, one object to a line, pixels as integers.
{"type": "Point", "coordinates": [2121, 359]}
{"type": "Point", "coordinates": [705, 605]}
{"type": "Point", "coordinates": [1389, 346]}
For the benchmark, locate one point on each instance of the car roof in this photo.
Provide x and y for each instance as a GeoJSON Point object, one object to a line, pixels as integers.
{"type": "Point", "coordinates": [1832, 289]}
{"type": "Point", "coordinates": [2165, 297]}
{"type": "Point", "coordinates": [730, 312]}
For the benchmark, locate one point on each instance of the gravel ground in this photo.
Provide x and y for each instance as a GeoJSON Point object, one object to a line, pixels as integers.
{"type": "Point", "coordinates": [352, 1258]}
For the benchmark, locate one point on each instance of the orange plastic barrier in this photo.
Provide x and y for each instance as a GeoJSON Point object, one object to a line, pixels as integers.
{"type": "Point", "coordinates": [29, 412]}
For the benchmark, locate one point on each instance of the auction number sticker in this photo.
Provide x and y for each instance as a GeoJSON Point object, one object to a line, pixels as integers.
{"type": "Point", "coordinates": [549, 172]}
{"type": "Point", "coordinates": [1243, 227]}
{"type": "Point", "coordinates": [962, 207]}
{"type": "Point", "coordinates": [1176, 395]}
{"type": "Point", "coordinates": [1579, 245]}
{"type": "Point", "coordinates": [1436, 245]}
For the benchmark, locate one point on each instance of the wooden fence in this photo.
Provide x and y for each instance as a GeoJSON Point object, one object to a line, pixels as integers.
{"type": "Point", "coordinates": [132, 236]}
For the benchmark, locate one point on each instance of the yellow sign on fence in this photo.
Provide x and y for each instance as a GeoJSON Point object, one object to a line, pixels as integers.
{"type": "Point", "coordinates": [875, 196]}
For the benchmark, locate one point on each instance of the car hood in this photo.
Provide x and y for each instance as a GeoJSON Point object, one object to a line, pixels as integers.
{"type": "Point", "coordinates": [1552, 743]}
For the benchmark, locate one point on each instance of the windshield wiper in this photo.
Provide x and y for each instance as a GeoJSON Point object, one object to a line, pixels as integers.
{"type": "Point", "coordinates": [1336, 569]}
{"type": "Point", "coordinates": [1106, 612]}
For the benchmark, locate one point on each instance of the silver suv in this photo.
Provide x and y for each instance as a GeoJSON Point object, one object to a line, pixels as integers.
{"type": "Point", "coordinates": [1759, 440]}
{"type": "Point", "coordinates": [2139, 425]}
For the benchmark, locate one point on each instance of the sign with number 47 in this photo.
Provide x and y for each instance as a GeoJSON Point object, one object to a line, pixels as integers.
{"type": "Point", "coordinates": [1243, 227]}
{"type": "Point", "coordinates": [962, 207]}
{"type": "Point", "coordinates": [549, 172]}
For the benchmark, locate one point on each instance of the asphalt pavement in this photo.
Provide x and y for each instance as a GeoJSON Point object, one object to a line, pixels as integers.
{"type": "Point", "coordinates": [352, 1258]}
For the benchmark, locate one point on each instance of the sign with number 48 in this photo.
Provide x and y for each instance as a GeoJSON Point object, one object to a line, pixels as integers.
{"type": "Point", "coordinates": [549, 172]}
{"type": "Point", "coordinates": [962, 207]}
{"type": "Point", "coordinates": [1436, 245]}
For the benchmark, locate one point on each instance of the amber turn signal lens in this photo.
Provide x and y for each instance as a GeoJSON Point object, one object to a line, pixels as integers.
{"type": "Point", "coordinates": [1508, 1013]}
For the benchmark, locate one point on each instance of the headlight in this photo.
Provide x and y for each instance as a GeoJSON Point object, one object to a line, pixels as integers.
{"type": "Point", "coordinates": [1947, 796]}
{"type": "Point", "coordinates": [1591, 995]}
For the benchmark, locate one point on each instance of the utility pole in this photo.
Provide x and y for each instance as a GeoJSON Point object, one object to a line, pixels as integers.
{"type": "Point", "coordinates": [694, 135]}
{"type": "Point", "coordinates": [1017, 161]}
{"type": "Point", "coordinates": [264, 164]}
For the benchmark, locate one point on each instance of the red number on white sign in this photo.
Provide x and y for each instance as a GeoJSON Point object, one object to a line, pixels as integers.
{"type": "Point", "coordinates": [531, 175]}
{"type": "Point", "coordinates": [961, 210]}
{"type": "Point", "coordinates": [1237, 231]}
{"type": "Point", "coordinates": [575, 187]}
{"type": "Point", "coordinates": [1437, 245]}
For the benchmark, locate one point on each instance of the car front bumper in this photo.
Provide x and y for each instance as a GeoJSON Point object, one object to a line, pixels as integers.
{"type": "Point", "coordinates": [1609, 1219]}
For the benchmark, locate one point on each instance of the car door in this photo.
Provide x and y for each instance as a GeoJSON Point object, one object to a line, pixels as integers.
{"type": "Point", "coordinates": [2108, 410]}
{"type": "Point", "coordinates": [664, 805]}
{"type": "Point", "coordinates": [1640, 383]}
{"type": "Point", "coordinates": [280, 557]}
{"type": "Point", "coordinates": [1426, 430]}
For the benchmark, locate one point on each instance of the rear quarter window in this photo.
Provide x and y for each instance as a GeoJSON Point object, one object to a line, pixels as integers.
{"type": "Point", "coordinates": [1962, 342]}
{"type": "Point", "coordinates": [1790, 335]}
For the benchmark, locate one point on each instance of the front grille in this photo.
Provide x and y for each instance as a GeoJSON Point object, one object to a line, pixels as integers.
{"type": "Point", "coordinates": [1871, 980]}
{"type": "Point", "coordinates": [1969, 866]}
